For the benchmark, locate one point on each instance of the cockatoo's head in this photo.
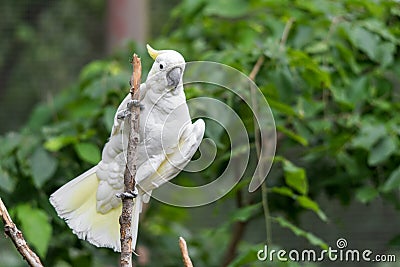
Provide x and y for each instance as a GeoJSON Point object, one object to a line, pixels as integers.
{"type": "Point", "coordinates": [167, 70]}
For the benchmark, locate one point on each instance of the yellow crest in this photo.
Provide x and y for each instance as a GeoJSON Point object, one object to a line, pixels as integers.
{"type": "Point", "coordinates": [152, 52]}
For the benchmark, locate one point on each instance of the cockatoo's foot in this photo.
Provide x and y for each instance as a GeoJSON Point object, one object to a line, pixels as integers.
{"type": "Point", "coordinates": [123, 114]}
{"type": "Point", "coordinates": [126, 112]}
{"type": "Point", "coordinates": [135, 103]}
{"type": "Point", "coordinates": [129, 194]}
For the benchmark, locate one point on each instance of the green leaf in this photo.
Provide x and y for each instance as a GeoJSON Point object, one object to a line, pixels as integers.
{"type": "Point", "coordinates": [56, 143]}
{"type": "Point", "coordinates": [35, 226]}
{"type": "Point", "coordinates": [382, 151]}
{"type": "Point", "coordinates": [43, 166]}
{"type": "Point", "coordinates": [318, 47]}
{"type": "Point", "coordinates": [84, 108]}
{"type": "Point", "coordinates": [295, 177]}
{"type": "Point", "coordinates": [349, 163]}
{"type": "Point", "coordinates": [292, 135]}
{"type": "Point", "coordinates": [349, 58]}
{"type": "Point", "coordinates": [381, 104]}
{"type": "Point", "coordinates": [88, 152]}
{"type": "Point", "coordinates": [105, 84]}
{"type": "Point", "coordinates": [281, 107]}
{"type": "Point", "coordinates": [369, 135]}
{"type": "Point", "coordinates": [227, 8]}
{"type": "Point", "coordinates": [364, 40]}
{"type": "Point", "coordinates": [366, 194]}
{"type": "Point", "coordinates": [247, 256]}
{"type": "Point", "coordinates": [243, 214]}
{"type": "Point", "coordinates": [371, 44]}
{"type": "Point", "coordinates": [385, 53]}
{"type": "Point", "coordinates": [393, 182]}
{"type": "Point", "coordinates": [309, 69]}
{"type": "Point", "coordinates": [108, 117]}
{"type": "Point", "coordinates": [352, 97]}
{"type": "Point", "coordinates": [320, 126]}
{"type": "Point", "coordinates": [310, 204]}
{"type": "Point", "coordinates": [7, 183]}
{"type": "Point", "coordinates": [308, 108]}
{"type": "Point", "coordinates": [285, 191]}
{"type": "Point", "coordinates": [96, 70]}
{"type": "Point", "coordinates": [40, 116]}
{"type": "Point", "coordinates": [61, 263]}
{"type": "Point", "coordinates": [380, 28]}
{"type": "Point", "coordinates": [314, 240]}
{"type": "Point", "coordinates": [9, 142]}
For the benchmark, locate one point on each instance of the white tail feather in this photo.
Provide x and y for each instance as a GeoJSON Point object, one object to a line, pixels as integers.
{"type": "Point", "coordinates": [137, 209]}
{"type": "Point", "coordinates": [76, 203]}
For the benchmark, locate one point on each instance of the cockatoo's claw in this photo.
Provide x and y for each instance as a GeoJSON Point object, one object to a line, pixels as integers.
{"type": "Point", "coordinates": [126, 112]}
{"type": "Point", "coordinates": [129, 194]}
{"type": "Point", "coordinates": [122, 114]}
{"type": "Point", "coordinates": [135, 103]}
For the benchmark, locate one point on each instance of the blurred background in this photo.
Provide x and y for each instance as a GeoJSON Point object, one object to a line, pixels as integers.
{"type": "Point", "coordinates": [329, 70]}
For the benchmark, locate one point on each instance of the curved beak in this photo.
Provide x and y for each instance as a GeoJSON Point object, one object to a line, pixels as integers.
{"type": "Point", "coordinates": [174, 77]}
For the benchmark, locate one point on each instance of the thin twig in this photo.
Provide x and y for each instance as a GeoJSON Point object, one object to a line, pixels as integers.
{"type": "Point", "coordinates": [285, 33]}
{"type": "Point", "coordinates": [256, 68]}
{"type": "Point", "coordinates": [18, 239]}
{"type": "Point", "coordinates": [257, 133]}
{"type": "Point", "coordinates": [240, 227]}
{"type": "Point", "coordinates": [238, 230]}
{"type": "Point", "coordinates": [325, 93]}
{"type": "Point", "coordinates": [185, 254]}
{"type": "Point", "coordinates": [131, 168]}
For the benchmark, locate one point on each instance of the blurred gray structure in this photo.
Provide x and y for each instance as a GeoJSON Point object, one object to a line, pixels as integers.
{"type": "Point", "coordinates": [126, 20]}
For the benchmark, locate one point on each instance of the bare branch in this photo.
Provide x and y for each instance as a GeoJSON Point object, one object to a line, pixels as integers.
{"type": "Point", "coordinates": [238, 232]}
{"type": "Point", "coordinates": [185, 254]}
{"type": "Point", "coordinates": [18, 239]}
{"type": "Point", "coordinates": [256, 68]}
{"type": "Point", "coordinates": [131, 168]}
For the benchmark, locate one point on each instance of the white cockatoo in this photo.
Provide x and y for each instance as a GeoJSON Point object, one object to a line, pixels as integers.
{"type": "Point", "coordinates": [89, 203]}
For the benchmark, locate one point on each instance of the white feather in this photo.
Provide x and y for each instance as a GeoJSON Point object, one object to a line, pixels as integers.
{"type": "Point", "coordinates": [76, 203]}
{"type": "Point", "coordinates": [177, 160]}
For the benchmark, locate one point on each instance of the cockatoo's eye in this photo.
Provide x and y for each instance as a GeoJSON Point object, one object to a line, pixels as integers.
{"type": "Point", "coordinates": [161, 65]}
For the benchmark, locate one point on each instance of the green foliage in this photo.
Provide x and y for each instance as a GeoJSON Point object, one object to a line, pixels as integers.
{"type": "Point", "coordinates": [37, 229]}
{"type": "Point", "coordinates": [393, 182]}
{"type": "Point", "coordinates": [295, 177]}
{"type": "Point", "coordinates": [331, 77]}
{"type": "Point", "coordinates": [300, 232]}
{"type": "Point", "coordinates": [43, 166]}
{"type": "Point", "coordinates": [44, 46]}
{"type": "Point", "coordinates": [61, 139]}
{"type": "Point", "coordinates": [244, 214]}
{"type": "Point", "coordinates": [88, 152]}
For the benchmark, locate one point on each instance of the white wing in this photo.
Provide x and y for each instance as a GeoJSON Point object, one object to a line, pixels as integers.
{"type": "Point", "coordinates": [168, 166]}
